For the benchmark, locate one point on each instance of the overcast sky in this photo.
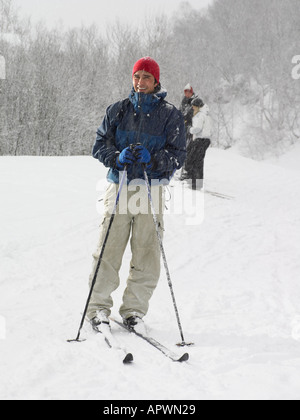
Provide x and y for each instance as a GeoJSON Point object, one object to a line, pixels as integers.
{"type": "Point", "coordinates": [76, 12]}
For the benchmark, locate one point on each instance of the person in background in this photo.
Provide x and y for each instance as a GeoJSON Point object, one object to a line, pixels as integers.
{"type": "Point", "coordinates": [187, 112]}
{"type": "Point", "coordinates": [201, 131]}
{"type": "Point", "coordinates": [187, 109]}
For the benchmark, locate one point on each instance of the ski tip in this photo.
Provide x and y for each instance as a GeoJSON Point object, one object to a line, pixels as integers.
{"type": "Point", "coordinates": [128, 359]}
{"type": "Point", "coordinates": [184, 358]}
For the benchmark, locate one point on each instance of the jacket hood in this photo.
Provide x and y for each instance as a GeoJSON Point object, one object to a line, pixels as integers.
{"type": "Point", "coordinates": [205, 109]}
{"type": "Point", "coordinates": [147, 102]}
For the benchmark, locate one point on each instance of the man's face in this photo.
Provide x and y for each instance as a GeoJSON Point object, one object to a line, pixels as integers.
{"type": "Point", "coordinates": [188, 93]}
{"type": "Point", "coordinates": [144, 82]}
{"type": "Point", "coordinates": [196, 109]}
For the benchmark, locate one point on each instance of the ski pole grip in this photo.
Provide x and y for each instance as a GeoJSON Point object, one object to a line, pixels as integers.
{"type": "Point", "coordinates": [133, 147]}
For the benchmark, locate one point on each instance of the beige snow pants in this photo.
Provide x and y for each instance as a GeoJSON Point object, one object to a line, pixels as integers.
{"type": "Point", "coordinates": [133, 219]}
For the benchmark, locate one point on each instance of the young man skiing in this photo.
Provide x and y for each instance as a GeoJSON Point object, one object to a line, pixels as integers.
{"type": "Point", "coordinates": [201, 130]}
{"type": "Point", "coordinates": [143, 132]}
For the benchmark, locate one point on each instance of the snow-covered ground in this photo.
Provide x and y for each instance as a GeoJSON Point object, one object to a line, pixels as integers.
{"type": "Point", "coordinates": [236, 279]}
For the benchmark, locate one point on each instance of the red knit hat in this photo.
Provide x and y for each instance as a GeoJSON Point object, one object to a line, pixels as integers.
{"type": "Point", "coordinates": [149, 65]}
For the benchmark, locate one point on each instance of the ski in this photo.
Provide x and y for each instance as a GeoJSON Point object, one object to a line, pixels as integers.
{"type": "Point", "coordinates": [105, 331]}
{"type": "Point", "coordinates": [167, 352]}
{"type": "Point", "coordinates": [204, 190]}
{"type": "Point", "coordinates": [219, 195]}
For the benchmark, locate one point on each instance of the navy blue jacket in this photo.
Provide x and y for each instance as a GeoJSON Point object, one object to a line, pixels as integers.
{"type": "Point", "coordinates": [147, 119]}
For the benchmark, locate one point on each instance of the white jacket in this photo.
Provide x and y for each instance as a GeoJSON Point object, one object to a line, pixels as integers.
{"type": "Point", "coordinates": [202, 126]}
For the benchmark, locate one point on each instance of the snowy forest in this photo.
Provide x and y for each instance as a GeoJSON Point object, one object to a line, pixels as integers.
{"type": "Point", "coordinates": [241, 57]}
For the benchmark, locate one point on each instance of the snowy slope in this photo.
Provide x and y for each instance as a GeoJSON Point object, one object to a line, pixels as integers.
{"type": "Point", "coordinates": [236, 278]}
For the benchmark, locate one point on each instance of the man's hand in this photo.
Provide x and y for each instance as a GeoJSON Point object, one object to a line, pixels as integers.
{"type": "Point", "coordinates": [126, 157]}
{"type": "Point", "coordinates": [142, 154]}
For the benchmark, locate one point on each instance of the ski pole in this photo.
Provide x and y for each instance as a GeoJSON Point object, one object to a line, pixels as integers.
{"type": "Point", "coordinates": [101, 254]}
{"type": "Point", "coordinates": [183, 343]}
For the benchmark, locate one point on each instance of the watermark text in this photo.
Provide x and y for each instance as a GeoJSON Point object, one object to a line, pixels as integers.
{"type": "Point", "coordinates": [2, 68]}
{"type": "Point", "coordinates": [134, 199]}
{"type": "Point", "coordinates": [2, 328]}
{"type": "Point", "coordinates": [296, 69]}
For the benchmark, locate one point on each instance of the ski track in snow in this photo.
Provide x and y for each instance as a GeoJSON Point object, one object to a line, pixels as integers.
{"type": "Point", "coordinates": [236, 280]}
